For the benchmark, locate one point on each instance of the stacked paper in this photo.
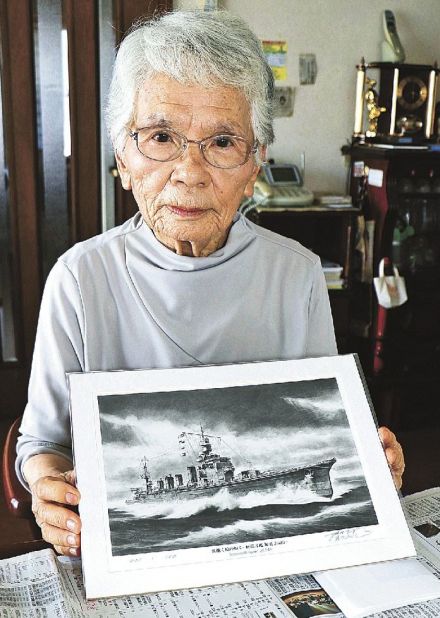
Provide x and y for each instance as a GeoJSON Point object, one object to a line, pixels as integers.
{"type": "Point", "coordinates": [333, 275]}
{"type": "Point", "coordinates": [337, 201]}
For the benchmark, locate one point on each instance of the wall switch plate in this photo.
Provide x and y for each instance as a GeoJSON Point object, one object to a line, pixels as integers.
{"type": "Point", "coordinates": [283, 101]}
{"type": "Point", "coordinates": [307, 69]}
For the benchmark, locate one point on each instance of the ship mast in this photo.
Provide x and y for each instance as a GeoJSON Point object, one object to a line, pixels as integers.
{"type": "Point", "coordinates": [205, 446]}
{"type": "Point", "coordinates": [145, 475]}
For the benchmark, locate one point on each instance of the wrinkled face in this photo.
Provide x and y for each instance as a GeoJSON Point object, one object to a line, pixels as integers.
{"type": "Point", "coordinates": [188, 203]}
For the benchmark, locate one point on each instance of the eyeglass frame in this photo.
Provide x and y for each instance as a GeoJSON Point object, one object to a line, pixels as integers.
{"type": "Point", "coordinates": [252, 149]}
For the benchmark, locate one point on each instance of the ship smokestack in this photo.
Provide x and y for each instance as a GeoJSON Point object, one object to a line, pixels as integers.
{"type": "Point", "coordinates": [169, 480]}
{"type": "Point", "coordinates": [192, 474]}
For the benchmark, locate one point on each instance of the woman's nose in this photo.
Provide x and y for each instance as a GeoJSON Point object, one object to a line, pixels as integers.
{"type": "Point", "coordinates": [191, 168]}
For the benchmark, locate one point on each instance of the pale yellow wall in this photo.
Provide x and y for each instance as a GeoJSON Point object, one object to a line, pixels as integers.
{"type": "Point", "coordinates": [339, 32]}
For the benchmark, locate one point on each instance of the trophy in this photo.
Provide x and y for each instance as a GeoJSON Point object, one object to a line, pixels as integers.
{"type": "Point", "coordinates": [373, 109]}
{"type": "Point", "coordinates": [395, 102]}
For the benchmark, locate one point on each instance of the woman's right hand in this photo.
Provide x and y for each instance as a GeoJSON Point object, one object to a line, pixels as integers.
{"type": "Point", "coordinates": [53, 496]}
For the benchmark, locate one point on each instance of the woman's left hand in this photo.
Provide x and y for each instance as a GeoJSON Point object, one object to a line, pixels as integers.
{"type": "Point", "coordinates": [394, 454]}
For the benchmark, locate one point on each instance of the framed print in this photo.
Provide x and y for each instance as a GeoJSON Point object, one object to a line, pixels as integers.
{"type": "Point", "coordinates": [215, 474]}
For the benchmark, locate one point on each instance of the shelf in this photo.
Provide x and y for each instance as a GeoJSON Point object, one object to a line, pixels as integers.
{"type": "Point", "coordinates": [414, 195]}
{"type": "Point", "coordinates": [339, 292]}
{"type": "Point", "coordinates": [372, 151]}
{"type": "Point", "coordinates": [313, 209]}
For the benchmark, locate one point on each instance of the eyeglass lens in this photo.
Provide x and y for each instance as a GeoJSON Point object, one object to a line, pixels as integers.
{"type": "Point", "coordinates": [225, 151]}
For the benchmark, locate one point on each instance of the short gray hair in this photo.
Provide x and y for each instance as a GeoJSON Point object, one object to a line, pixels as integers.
{"type": "Point", "coordinates": [200, 47]}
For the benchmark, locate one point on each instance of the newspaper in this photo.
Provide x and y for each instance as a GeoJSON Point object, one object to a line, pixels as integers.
{"type": "Point", "coordinates": [423, 514]}
{"type": "Point", "coordinates": [42, 584]}
{"type": "Point", "coordinates": [32, 585]}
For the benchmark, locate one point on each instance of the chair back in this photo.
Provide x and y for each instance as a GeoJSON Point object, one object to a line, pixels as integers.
{"type": "Point", "coordinates": [18, 499]}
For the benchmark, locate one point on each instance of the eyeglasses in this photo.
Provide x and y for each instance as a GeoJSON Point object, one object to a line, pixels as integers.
{"type": "Point", "coordinates": [223, 150]}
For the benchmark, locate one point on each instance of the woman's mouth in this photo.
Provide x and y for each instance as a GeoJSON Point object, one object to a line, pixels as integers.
{"type": "Point", "coordinates": [186, 212]}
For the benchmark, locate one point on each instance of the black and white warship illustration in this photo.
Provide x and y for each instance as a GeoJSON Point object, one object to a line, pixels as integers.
{"type": "Point", "coordinates": [213, 472]}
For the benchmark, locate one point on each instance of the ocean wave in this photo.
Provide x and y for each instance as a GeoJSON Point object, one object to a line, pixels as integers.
{"type": "Point", "coordinates": [224, 500]}
{"type": "Point", "coordinates": [233, 532]}
{"type": "Point", "coordinates": [243, 530]}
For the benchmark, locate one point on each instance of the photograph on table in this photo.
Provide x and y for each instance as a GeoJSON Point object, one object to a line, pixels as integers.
{"type": "Point", "coordinates": [309, 603]}
{"type": "Point", "coordinates": [207, 475]}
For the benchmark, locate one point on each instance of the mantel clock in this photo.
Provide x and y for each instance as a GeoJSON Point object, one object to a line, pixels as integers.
{"type": "Point", "coordinates": [395, 102]}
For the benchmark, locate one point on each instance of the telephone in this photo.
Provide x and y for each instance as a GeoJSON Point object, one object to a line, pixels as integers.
{"type": "Point", "coordinates": [392, 48]}
{"type": "Point", "coordinates": [281, 185]}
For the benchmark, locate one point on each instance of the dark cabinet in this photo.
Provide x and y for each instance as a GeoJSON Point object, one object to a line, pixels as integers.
{"type": "Point", "coordinates": [328, 232]}
{"type": "Point", "coordinates": [401, 354]}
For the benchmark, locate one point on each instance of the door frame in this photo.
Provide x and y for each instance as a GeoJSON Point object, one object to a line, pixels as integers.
{"type": "Point", "coordinates": [81, 19]}
{"type": "Point", "coordinates": [16, 25]}
{"type": "Point", "coordinates": [125, 13]}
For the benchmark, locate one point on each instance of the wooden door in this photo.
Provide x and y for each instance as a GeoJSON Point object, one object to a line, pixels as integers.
{"type": "Point", "coordinates": [19, 251]}
{"type": "Point", "coordinates": [50, 185]}
{"type": "Point", "coordinates": [125, 13]}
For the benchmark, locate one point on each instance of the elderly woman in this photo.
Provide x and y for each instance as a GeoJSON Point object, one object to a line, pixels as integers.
{"type": "Point", "coordinates": [187, 281]}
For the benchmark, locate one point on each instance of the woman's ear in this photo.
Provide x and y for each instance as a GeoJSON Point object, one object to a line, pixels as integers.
{"type": "Point", "coordinates": [249, 189]}
{"type": "Point", "coordinates": [123, 170]}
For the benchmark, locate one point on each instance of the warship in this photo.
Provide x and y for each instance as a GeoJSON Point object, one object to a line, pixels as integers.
{"type": "Point", "coordinates": [212, 472]}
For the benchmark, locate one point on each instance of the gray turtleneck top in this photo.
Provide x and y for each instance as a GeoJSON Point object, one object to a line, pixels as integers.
{"type": "Point", "coordinates": [122, 300]}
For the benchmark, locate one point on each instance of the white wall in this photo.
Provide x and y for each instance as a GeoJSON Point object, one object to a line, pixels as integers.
{"type": "Point", "coordinates": [339, 32]}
